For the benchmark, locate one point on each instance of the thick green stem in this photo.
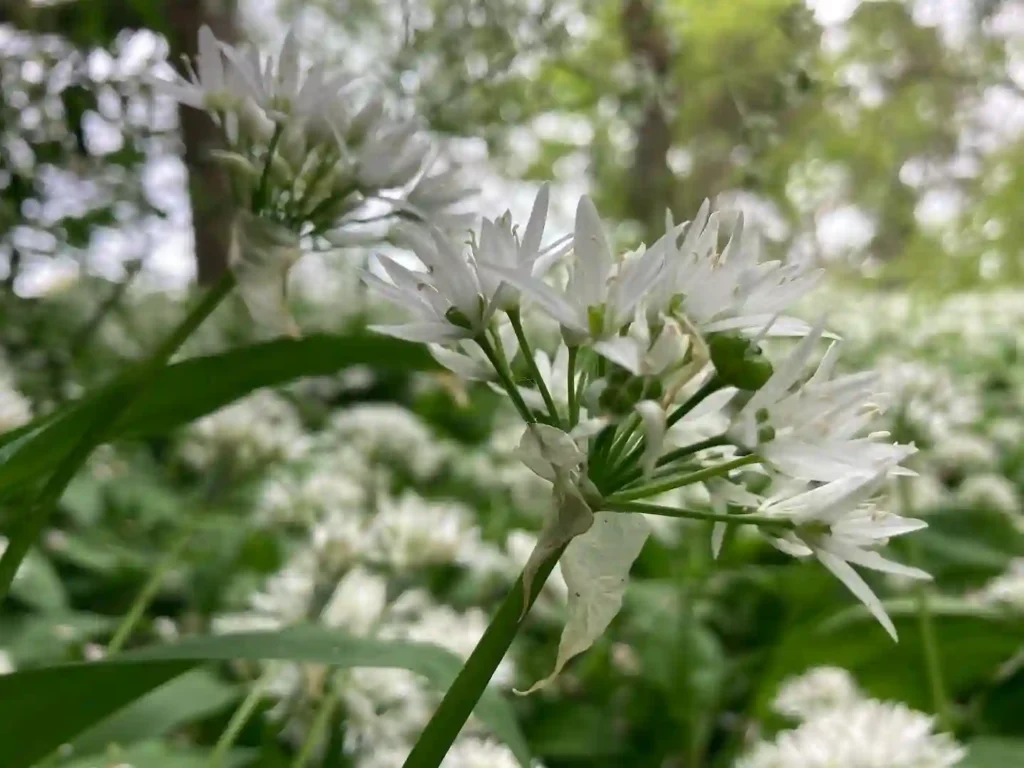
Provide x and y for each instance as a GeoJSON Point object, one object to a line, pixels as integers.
{"type": "Point", "coordinates": [465, 692]}
{"type": "Point", "coordinates": [524, 344]}
{"type": "Point", "coordinates": [679, 481]}
{"type": "Point", "coordinates": [501, 368]}
{"type": "Point", "coordinates": [107, 411]}
{"type": "Point", "coordinates": [659, 509]}
{"type": "Point", "coordinates": [149, 590]}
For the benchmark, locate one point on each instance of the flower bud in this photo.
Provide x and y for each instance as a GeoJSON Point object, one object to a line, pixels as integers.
{"type": "Point", "coordinates": [738, 362]}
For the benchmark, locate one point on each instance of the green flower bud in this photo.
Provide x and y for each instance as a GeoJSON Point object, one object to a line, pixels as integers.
{"type": "Point", "coordinates": [739, 362]}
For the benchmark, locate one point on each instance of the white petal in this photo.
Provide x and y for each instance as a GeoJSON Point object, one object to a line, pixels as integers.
{"type": "Point", "coordinates": [546, 297]}
{"type": "Point", "coordinates": [460, 364]}
{"type": "Point", "coordinates": [869, 559]}
{"type": "Point", "coordinates": [621, 350]}
{"type": "Point", "coordinates": [596, 567]}
{"type": "Point", "coordinates": [853, 582]}
{"type": "Point", "coordinates": [530, 245]}
{"type": "Point", "coordinates": [593, 256]}
{"type": "Point", "coordinates": [718, 531]}
{"type": "Point", "coordinates": [423, 332]}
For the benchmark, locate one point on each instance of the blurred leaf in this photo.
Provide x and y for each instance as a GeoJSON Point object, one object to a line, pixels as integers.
{"type": "Point", "coordinates": [39, 638]}
{"type": "Point", "coordinates": [157, 755]}
{"type": "Point", "coordinates": [40, 709]}
{"type": "Point", "coordinates": [991, 752]}
{"type": "Point", "coordinates": [973, 643]}
{"type": "Point", "coordinates": [190, 389]}
{"type": "Point", "coordinates": [577, 732]}
{"type": "Point", "coordinates": [190, 697]}
{"type": "Point", "coordinates": [38, 585]}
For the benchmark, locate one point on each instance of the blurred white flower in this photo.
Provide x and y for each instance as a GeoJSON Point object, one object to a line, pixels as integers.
{"type": "Point", "coordinates": [815, 691]}
{"type": "Point", "coordinates": [861, 734]}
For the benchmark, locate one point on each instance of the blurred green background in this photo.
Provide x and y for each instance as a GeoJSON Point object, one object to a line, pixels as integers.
{"type": "Point", "coordinates": [882, 140]}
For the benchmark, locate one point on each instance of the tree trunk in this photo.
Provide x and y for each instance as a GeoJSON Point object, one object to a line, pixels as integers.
{"type": "Point", "coordinates": [209, 187]}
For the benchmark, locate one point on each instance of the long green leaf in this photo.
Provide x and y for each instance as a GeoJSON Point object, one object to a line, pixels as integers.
{"type": "Point", "coordinates": [190, 389]}
{"type": "Point", "coordinates": [972, 641]}
{"type": "Point", "coordinates": [40, 709]}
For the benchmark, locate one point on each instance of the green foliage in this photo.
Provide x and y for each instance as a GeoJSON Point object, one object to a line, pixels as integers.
{"type": "Point", "coordinates": [47, 707]}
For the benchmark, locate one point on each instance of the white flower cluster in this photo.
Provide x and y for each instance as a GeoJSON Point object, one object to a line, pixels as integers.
{"type": "Point", "coordinates": [841, 728]}
{"type": "Point", "coordinates": [15, 408]}
{"type": "Point", "coordinates": [362, 528]}
{"type": "Point", "coordinates": [311, 153]}
{"type": "Point", "coordinates": [652, 342]}
{"type": "Point", "coordinates": [246, 434]}
{"type": "Point", "coordinates": [1005, 591]}
{"type": "Point", "coordinates": [949, 366]}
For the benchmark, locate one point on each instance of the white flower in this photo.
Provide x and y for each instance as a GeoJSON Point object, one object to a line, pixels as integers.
{"type": "Point", "coordinates": [455, 298]}
{"type": "Point", "coordinates": [411, 532]}
{"type": "Point", "coordinates": [466, 359]}
{"type": "Point", "coordinates": [838, 525]}
{"type": "Point", "coordinates": [864, 734]}
{"type": "Point", "coordinates": [989, 491]}
{"type": "Point", "coordinates": [1005, 590]}
{"type": "Point", "coordinates": [816, 691]}
{"type": "Point", "coordinates": [601, 295]}
{"type": "Point", "coordinates": [357, 603]}
{"type": "Point", "coordinates": [207, 86]}
{"type": "Point", "coordinates": [809, 431]}
{"type": "Point", "coordinates": [731, 291]}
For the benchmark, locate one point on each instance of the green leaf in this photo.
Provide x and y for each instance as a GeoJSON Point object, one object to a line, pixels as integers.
{"type": "Point", "coordinates": [185, 391]}
{"type": "Point", "coordinates": [189, 697]}
{"type": "Point", "coordinates": [973, 642]}
{"type": "Point", "coordinates": [157, 755]}
{"type": "Point", "coordinates": [38, 585]}
{"type": "Point", "coordinates": [993, 752]}
{"type": "Point", "coordinates": [40, 709]}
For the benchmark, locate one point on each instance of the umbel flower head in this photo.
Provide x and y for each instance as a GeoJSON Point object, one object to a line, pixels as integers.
{"type": "Point", "coordinates": [311, 154]}
{"type": "Point", "coordinates": [652, 343]}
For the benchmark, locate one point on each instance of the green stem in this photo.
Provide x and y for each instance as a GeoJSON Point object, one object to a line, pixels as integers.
{"type": "Point", "coordinates": [107, 410]}
{"type": "Point", "coordinates": [622, 440]}
{"type": "Point", "coordinates": [614, 505]}
{"type": "Point", "coordinates": [458, 703]}
{"type": "Point", "coordinates": [316, 730]}
{"type": "Point", "coordinates": [259, 198]}
{"type": "Point", "coordinates": [687, 479]}
{"type": "Point", "coordinates": [679, 453]}
{"type": "Point", "coordinates": [574, 404]}
{"type": "Point", "coordinates": [710, 386]}
{"type": "Point", "coordinates": [501, 368]}
{"type": "Point", "coordinates": [929, 641]}
{"type": "Point", "coordinates": [240, 718]}
{"type": "Point", "coordinates": [149, 590]}
{"type": "Point", "coordinates": [524, 344]}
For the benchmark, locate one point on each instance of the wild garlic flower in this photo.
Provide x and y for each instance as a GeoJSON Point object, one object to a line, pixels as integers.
{"type": "Point", "coordinates": [310, 154]}
{"type": "Point", "coordinates": [843, 729]}
{"type": "Point", "coordinates": [649, 341]}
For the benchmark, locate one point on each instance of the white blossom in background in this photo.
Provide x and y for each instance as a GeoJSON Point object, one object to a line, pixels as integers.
{"type": "Point", "coordinates": [815, 691]}
{"type": "Point", "coordinates": [842, 728]}
{"type": "Point", "coordinates": [15, 408]}
{"type": "Point", "coordinates": [864, 734]}
{"type": "Point", "coordinates": [314, 155]}
{"type": "Point", "coordinates": [256, 430]}
{"type": "Point", "coordinates": [652, 340]}
{"type": "Point", "coordinates": [353, 514]}
{"type": "Point", "coordinates": [1005, 591]}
